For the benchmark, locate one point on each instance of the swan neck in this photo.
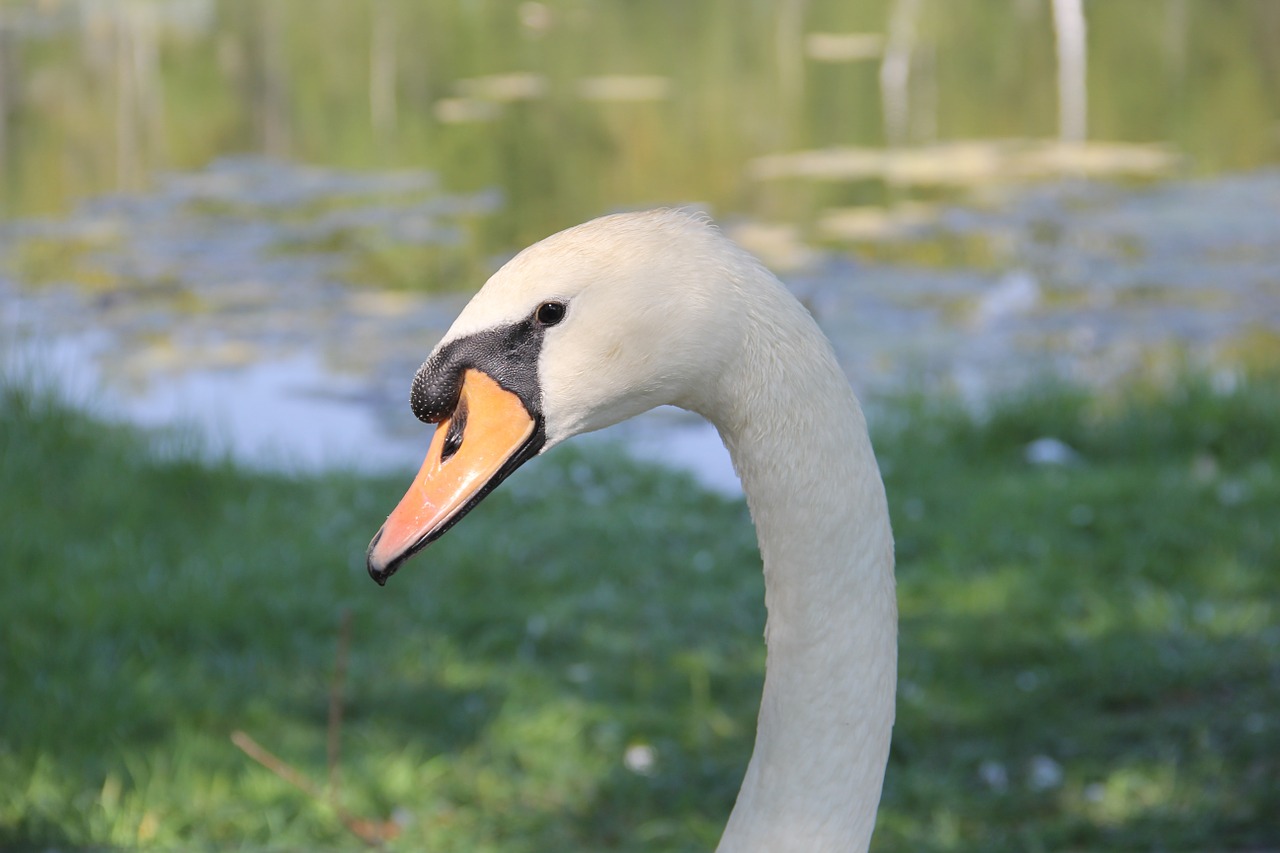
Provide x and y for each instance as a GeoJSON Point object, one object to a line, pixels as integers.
{"type": "Point", "coordinates": [799, 442]}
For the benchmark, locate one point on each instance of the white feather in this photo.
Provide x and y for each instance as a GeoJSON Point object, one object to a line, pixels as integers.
{"type": "Point", "coordinates": [663, 309]}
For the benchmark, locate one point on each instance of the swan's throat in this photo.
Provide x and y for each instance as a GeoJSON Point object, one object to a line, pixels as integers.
{"type": "Point", "coordinates": [819, 508]}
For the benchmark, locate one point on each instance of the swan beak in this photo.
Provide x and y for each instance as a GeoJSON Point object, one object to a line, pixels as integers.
{"type": "Point", "coordinates": [489, 435]}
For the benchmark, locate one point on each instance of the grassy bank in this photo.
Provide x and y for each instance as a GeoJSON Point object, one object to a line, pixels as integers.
{"type": "Point", "coordinates": [1090, 652]}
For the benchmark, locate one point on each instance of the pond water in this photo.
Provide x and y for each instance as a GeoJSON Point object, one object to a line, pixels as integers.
{"type": "Point", "coordinates": [259, 217]}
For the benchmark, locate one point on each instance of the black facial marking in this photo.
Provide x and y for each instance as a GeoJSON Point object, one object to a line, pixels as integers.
{"type": "Point", "coordinates": [508, 354]}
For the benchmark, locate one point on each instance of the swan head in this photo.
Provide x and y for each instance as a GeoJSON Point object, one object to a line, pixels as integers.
{"type": "Point", "coordinates": [587, 328]}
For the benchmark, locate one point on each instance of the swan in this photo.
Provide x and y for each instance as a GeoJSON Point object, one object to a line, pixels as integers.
{"type": "Point", "coordinates": [605, 320]}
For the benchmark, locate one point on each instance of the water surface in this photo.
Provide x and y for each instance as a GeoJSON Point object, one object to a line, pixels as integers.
{"type": "Point", "coordinates": [261, 216]}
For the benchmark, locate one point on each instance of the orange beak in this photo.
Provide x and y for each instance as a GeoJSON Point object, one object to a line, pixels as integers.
{"type": "Point", "coordinates": [489, 435]}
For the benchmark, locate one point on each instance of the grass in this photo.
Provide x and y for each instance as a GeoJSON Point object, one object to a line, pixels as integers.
{"type": "Point", "coordinates": [1090, 652]}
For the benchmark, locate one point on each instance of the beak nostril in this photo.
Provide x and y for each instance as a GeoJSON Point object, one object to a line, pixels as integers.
{"type": "Point", "coordinates": [453, 437]}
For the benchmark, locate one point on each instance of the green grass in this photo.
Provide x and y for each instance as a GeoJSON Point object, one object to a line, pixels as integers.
{"type": "Point", "coordinates": [1090, 653]}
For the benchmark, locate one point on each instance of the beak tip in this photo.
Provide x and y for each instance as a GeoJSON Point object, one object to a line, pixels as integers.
{"type": "Point", "coordinates": [377, 570]}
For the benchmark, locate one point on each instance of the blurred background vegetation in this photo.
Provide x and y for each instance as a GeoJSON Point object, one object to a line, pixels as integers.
{"type": "Point", "coordinates": [577, 107]}
{"type": "Point", "coordinates": [255, 218]}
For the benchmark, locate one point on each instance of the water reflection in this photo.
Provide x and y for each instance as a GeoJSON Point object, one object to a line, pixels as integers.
{"type": "Point", "coordinates": [964, 193]}
{"type": "Point", "coordinates": [576, 108]}
{"type": "Point", "coordinates": [224, 296]}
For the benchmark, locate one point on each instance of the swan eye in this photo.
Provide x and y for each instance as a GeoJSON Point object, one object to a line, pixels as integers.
{"type": "Point", "coordinates": [550, 313]}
